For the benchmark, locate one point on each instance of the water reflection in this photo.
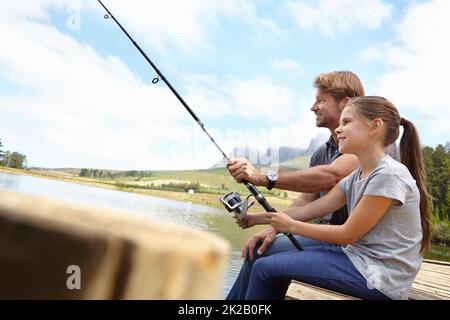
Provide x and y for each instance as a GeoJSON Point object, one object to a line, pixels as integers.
{"type": "Point", "coordinates": [214, 220]}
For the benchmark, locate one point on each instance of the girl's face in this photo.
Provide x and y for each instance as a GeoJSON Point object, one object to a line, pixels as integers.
{"type": "Point", "coordinates": [352, 133]}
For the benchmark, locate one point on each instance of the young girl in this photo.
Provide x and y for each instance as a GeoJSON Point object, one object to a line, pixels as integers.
{"type": "Point", "coordinates": [379, 249]}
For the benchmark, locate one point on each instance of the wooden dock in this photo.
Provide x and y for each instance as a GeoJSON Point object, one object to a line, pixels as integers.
{"type": "Point", "coordinates": [431, 283]}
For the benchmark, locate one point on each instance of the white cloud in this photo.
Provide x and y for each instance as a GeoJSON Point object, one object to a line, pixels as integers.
{"type": "Point", "coordinates": [187, 24]}
{"type": "Point", "coordinates": [268, 24]}
{"type": "Point", "coordinates": [336, 16]}
{"type": "Point", "coordinates": [257, 99]}
{"type": "Point", "coordinates": [288, 65]}
{"type": "Point", "coordinates": [373, 53]}
{"type": "Point", "coordinates": [418, 64]}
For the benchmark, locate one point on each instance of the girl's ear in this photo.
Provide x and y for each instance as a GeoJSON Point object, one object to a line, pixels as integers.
{"type": "Point", "coordinates": [377, 125]}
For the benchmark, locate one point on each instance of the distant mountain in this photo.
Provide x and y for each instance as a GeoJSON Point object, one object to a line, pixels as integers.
{"type": "Point", "coordinates": [316, 142]}
{"type": "Point", "coordinates": [447, 146]}
{"type": "Point", "coordinates": [283, 154]}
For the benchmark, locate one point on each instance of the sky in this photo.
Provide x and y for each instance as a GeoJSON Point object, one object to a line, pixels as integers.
{"type": "Point", "coordinates": [75, 92]}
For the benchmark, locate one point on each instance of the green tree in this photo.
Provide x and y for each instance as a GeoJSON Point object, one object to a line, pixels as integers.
{"type": "Point", "coordinates": [429, 170]}
{"type": "Point", "coordinates": [1, 152]}
{"type": "Point", "coordinates": [14, 160]}
{"type": "Point", "coordinates": [440, 182]}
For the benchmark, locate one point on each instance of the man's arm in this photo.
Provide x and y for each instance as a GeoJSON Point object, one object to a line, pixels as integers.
{"type": "Point", "coordinates": [314, 179]}
{"type": "Point", "coordinates": [304, 199]}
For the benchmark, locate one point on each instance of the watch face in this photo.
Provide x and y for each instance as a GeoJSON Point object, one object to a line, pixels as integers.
{"type": "Point", "coordinates": [272, 175]}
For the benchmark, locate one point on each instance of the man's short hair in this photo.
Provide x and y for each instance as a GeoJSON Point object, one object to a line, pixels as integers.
{"type": "Point", "coordinates": [340, 84]}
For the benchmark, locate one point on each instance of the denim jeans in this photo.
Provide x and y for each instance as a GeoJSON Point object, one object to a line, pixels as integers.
{"type": "Point", "coordinates": [280, 244]}
{"type": "Point", "coordinates": [321, 264]}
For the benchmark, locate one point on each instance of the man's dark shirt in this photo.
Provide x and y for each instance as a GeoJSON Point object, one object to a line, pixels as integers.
{"type": "Point", "coordinates": [325, 155]}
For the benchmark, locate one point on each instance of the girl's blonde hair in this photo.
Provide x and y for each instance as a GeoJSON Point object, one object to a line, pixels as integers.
{"type": "Point", "coordinates": [368, 109]}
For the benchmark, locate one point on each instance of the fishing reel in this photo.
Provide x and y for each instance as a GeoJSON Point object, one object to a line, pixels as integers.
{"type": "Point", "coordinates": [233, 203]}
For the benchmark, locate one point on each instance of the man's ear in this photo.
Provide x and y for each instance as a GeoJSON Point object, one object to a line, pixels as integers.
{"type": "Point", "coordinates": [343, 102]}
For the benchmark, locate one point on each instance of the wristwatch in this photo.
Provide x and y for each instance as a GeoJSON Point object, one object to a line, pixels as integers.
{"type": "Point", "coordinates": [272, 177]}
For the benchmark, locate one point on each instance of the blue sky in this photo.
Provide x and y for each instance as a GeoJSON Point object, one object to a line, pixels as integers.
{"type": "Point", "coordinates": [74, 92]}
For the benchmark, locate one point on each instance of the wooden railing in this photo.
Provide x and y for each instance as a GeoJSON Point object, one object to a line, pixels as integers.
{"type": "Point", "coordinates": [55, 250]}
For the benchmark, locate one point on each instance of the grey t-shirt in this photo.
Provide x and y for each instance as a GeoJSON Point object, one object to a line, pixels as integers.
{"type": "Point", "coordinates": [388, 256]}
{"type": "Point", "coordinates": [326, 154]}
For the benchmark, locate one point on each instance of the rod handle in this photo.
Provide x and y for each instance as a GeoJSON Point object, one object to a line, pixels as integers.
{"type": "Point", "coordinates": [263, 202]}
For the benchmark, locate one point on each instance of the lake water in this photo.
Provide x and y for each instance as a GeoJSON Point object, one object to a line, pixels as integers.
{"type": "Point", "coordinates": [214, 220]}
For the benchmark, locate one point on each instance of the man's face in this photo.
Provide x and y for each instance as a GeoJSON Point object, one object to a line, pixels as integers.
{"type": "Point", "coordinates": [327, 110]}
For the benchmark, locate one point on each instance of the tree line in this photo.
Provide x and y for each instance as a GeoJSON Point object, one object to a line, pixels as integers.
{"type": "Point", "coordinates": [112, 174]}
{"type": "Point", "coordinates": [12, 159]}
{"type": "Point", "coordinates": [178, 187]}
{"type": "Point", "coordinates": [437, 166]}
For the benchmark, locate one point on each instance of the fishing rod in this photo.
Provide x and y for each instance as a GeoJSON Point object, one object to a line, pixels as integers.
{"type": "Point", "coordinates": [232, 201]}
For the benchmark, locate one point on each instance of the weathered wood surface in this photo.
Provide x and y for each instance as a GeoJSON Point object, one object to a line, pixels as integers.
{"type": "Point", "coordinates": [431, 283]}
{"type": "Point", "coordinates": [120, 256]}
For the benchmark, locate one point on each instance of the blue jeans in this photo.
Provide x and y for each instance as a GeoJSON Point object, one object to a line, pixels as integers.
{"type": "Point", "coordinates": [280, 244]}
{"type": "Point", "coordinates": [321, 264]}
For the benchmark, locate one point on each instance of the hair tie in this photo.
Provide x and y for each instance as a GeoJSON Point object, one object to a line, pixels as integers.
{"type": "Point", "coordinates": [402, 121]}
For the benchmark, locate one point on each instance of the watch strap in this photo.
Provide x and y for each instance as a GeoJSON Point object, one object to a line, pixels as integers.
{"type": "Point", "coordinates": [270, 184]}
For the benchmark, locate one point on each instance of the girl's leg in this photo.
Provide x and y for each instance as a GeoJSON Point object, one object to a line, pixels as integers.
{"type": "Point", "coordinates": [280, 244]}
{"type": "Point", "coordinates": [326, 267]}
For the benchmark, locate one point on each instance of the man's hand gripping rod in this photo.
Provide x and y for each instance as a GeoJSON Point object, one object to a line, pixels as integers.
{"type": "Point", "coordinates": [254, 191]}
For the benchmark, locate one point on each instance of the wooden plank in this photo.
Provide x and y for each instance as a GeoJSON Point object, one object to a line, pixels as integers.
{"type": "Point", "coordinates": [433, 276]}
{"type": "Point", "coordinates": [303, 291]}
{"type": "Point", "coordinates": [439, 282]}
{"type": "Point", "coordinates": [436, 262]}
{"type": "Point", "coordinates": [428, 287]}
{"type": "Point", "coordinates": [439, 272]}
{"type": "Point", "coordinates": [435, 294]}
{"type": "Point", "coordinates": [435, 267]}
{"type": "Point", "coordinates": [416, 294]}
{"type": "Point", "coordinates": [121, 256]}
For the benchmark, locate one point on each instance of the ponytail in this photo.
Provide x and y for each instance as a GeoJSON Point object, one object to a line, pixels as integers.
{"type": "Point", "coordinates": [411, 157]}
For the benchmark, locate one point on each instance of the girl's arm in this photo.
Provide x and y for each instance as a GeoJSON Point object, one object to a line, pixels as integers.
{"type": "Point", "coordinates": [331, 202]}
{"type": "Point", "coordinates": [364, 217]}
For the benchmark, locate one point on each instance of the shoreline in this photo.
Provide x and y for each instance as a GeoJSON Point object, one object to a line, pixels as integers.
{"type": "Point", "coordinates": [211, 200]}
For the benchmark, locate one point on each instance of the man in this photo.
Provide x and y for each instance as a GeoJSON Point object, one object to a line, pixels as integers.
{"type": "Point", "coordinates": [327, 168]}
